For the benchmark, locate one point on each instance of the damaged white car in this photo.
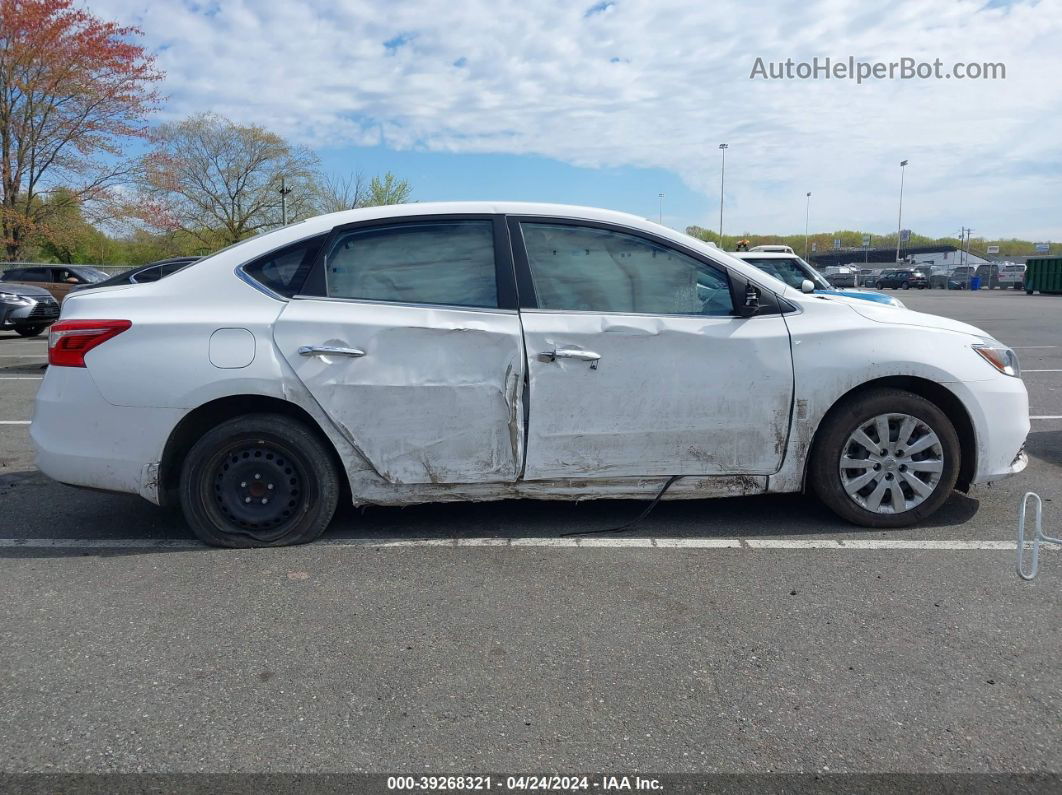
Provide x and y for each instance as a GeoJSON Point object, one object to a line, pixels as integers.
{"type": "Point", "coordinates": [481, 351]}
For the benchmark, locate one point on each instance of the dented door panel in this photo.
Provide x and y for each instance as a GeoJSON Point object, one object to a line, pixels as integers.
{"type": "Point", "coordinates": [436, 397]}
{"type": "Point", "coordinates": [676, 395]}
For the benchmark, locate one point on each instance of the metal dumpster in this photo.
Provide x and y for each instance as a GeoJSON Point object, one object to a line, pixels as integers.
{"type": "Point", "coordinates": [1043, 274]}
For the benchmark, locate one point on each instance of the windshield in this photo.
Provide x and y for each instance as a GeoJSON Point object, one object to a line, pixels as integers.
{"type": "Point", "coordinates": [791, 270]}
{"type": "Point", "coordinates": [92, 275]}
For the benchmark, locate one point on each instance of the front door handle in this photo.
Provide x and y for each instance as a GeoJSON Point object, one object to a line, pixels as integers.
{"type": "Point", "coordinates": [329, 350]}
{"type": "Point", "coordinates": [571, 353]}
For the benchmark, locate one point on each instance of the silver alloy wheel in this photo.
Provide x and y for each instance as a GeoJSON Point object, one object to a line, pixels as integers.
{"type": "Point", "coordinates": [891, 463]}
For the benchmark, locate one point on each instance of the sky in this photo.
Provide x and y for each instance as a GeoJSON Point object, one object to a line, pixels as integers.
{"type": "Point", "coordinates": [610, 103]}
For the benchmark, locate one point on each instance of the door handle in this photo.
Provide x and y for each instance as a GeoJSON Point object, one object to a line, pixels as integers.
{"type": "Point", "coordinates": [571, 353]}
{"type": "Point", "coordinates": [329, 350]}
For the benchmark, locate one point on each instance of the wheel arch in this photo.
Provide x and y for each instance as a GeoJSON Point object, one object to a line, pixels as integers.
{"type": "Point", "coordinates": [198, 421]}
{"type": "Point", "coordinates": [937, 394]}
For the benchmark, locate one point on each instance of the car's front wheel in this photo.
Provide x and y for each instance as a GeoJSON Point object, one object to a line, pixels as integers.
{"type": "Point", "coordinates": [885, 458]}
{"type": "Point", "coordinates": [29, 331]}
{"type": "Point", "coordinates": [263, 480]}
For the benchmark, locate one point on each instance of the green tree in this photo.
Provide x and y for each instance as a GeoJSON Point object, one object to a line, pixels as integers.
{"type": "Point", "coordinates": [387, 190]}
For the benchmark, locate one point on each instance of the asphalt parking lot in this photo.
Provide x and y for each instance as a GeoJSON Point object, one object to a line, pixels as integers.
{"type": "Point", "coordinates": [741, 635]}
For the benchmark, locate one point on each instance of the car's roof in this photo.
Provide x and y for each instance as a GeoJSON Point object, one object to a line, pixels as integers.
{"type": "Point", "coordinates": [481, 208]}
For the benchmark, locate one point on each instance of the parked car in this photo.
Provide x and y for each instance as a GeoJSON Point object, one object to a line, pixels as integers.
{"type": "Point", "coordinates": [841, 276]}
{"type": "Point", "coordinates": [58, 280]}
{"type": "Point", "coordinates": [151, 272]}
{"type": "Point", "coordinates": [794, 271]}
{"type": "Point", "coordinates": [487, 350]}
{"type": "Point", "coordinates": [772, 248]}
{"type": "Point", "coordinates": [903, 278]}
{"type": "Point", "coordinates": [989, 275]}
{"type": "Point", "coordinates": [940, 278]}
{"type": "Point", "coordinates": [1012, 275]}
{"type": "Point", "coordinates": [26, 310]}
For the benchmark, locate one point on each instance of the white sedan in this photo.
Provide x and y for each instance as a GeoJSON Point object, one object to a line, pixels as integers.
{"type": "Point", "coordinates": [483, 351]}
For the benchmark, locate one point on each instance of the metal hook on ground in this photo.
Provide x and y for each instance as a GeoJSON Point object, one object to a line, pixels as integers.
{"type": "Point", "coordinates": [1038, 537]}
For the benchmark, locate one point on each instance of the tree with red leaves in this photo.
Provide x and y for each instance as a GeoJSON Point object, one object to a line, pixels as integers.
{"type": "Point", "coordinates": [73, 90]}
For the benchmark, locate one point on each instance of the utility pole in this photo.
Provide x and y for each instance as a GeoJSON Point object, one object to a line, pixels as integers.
{"type": "Point", "coordinates": [660, 218]}
{"type": "Point", "coordinates": [284, 191]}
{"type": "Point", "coordinates": [899, 219]}
{"type": "Point", "coordinates": [722, 178]}
{"type": "Point", "coordinates": [807, 216]}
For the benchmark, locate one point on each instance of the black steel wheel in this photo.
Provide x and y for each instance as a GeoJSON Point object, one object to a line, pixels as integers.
{"type": "Point", "coordinates": [260, 480]}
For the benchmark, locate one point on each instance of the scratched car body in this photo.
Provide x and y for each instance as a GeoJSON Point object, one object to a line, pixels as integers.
{"type": "Point", "coordinates": [481, 351]}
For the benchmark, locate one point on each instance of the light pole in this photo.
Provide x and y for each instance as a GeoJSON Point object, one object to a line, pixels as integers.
{"type": "Point", "coordinates": [722, 178]}
{"type": "Point", "coordinates": [807, 216]}
{"type": "Point", "coordinates": [660, 218]}
{"type": "Point", "coordinates": [284, 191]}
{"type": "Point", "coordinates": [899, 219]}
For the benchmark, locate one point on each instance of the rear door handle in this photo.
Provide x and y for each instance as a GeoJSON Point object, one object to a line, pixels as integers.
{"type": "Point", "coordinates": [329, 350]}
{"type": "Point", "coordinates": [571, 353]}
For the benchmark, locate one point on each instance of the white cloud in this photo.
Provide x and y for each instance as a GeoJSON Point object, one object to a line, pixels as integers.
{"type": "Point", "coordinates": [656, 83]}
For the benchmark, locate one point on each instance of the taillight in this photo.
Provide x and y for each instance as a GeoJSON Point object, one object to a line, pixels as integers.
{"type": "Point", "coordinates": [70, 340]}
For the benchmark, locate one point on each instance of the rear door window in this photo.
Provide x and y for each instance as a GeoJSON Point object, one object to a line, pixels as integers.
{"type": "Point", "coordinates": [433, 262]}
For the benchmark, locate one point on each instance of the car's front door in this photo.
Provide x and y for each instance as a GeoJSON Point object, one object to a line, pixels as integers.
{"type": "Point", "coordinates": [638, 365]}
{"type": "Point", "coordinates": [409, 338]}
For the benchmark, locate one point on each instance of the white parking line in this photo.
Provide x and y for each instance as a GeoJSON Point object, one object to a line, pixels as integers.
{"type": "Point", "coordinates": [1041, 371]}
{"type": "Point", "coordinates": [572, 542]}
{"type": "Point", "coordinates": [21, 377]}
{"type": "Point", "coordinates": [1030, 347]}
{"type": "Point", "coordinates": [1046, 417]}
{"type": "Point", "coordinates": [14, 422]}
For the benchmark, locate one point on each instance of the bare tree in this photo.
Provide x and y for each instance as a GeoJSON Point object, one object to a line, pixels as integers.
{"type": "Point", "coordinates": [220, 181]}
{"type": "Point", "coordinates": [336, 194]}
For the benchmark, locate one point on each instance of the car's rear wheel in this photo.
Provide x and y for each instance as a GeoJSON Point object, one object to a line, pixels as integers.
{"type": "Point", "coordinates": [29, 331]}
{"type": "Point", "coordinates": [263, 480]}
{"type": "Point", "coordinates": [885, 458]}
{"type": "Point", "coordinates": [905, 285]}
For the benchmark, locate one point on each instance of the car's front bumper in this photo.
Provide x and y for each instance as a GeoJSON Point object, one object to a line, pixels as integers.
{"type": "Point", "coordinates": [35, 313]}
{"type": "Point", "coordinates": [999, 409]}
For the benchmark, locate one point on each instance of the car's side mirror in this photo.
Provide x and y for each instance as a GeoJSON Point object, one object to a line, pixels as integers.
{"type": "Point", "coordinates": [807, 286]}
{"type": "Point", "coordinates": [749, 304]}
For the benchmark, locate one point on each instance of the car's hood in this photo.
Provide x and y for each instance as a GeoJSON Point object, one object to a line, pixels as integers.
{"type": "Point", "coordinates": [868, 295]}
{"type": "Point", "coordinates": [881, 313]}
{"type": "Point", "coordinates": [23, 289]}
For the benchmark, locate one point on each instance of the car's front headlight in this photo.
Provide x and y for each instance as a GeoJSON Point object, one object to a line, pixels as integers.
{"type": "Point", "coordinates": [999, 356]}
{"type": "Point", "coordinates": [12, 298]}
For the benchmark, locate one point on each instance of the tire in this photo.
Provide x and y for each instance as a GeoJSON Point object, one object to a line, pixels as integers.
{"type": "Point", "coordinates": [29, 331]}
{"type": "Point", "coordinates": [905, 286]}
{"type": "Point", "coordinates": [881, 285]}
{"type": "Point", "coordinates": [263, 480]}
{"type": "Point", "coordinates": [1028, 291]}
{"type": "Point", "coordinates": [858, 412]}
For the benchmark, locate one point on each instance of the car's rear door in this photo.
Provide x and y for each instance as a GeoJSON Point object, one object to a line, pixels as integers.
{"type": "Point", "coordinates": [638, 365]}
{"type": "Point", "coordinates": [407, 333]}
